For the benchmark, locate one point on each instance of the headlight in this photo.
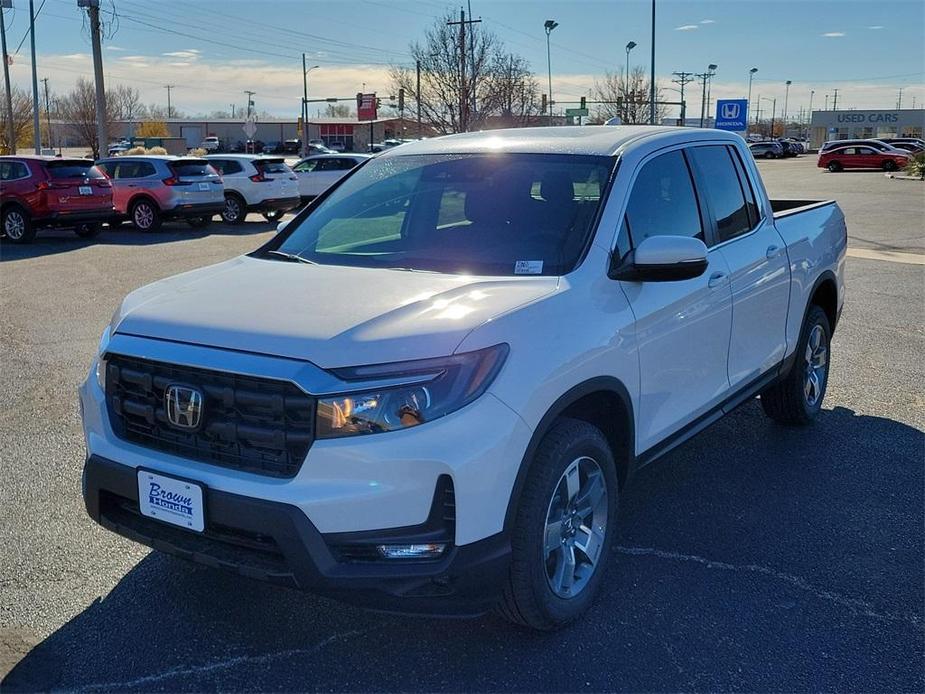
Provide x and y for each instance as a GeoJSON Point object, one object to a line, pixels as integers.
{"type": "Point", "coordinates": [101, 359]}
{"type": "Point", "coordinates": [440, 386]}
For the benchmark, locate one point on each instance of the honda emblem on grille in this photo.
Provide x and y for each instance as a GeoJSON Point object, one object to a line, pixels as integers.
{"type": "Point", "coordinates": [184, 406]}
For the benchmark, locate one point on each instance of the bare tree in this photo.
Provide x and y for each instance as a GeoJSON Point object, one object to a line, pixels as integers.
{"type": "Point", "coordinates": [627, 98]}
{"type": "Point", "coordinates": [126, 103]}
{"type": "Point", "coordinates": [78, 109]}
{"type": "Point", "coordinates": [502, 83]}
{"type": "Point", "coordinates": [22, 121]}
{"type": "Point", "coordinates": [337, 111]}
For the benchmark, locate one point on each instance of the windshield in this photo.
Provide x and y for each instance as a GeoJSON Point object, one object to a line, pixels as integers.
{"type": "Point", "coordinates": [497, 214]}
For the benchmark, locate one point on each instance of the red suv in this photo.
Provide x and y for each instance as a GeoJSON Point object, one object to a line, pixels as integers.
{"type": "Point", "coordinates": [37, 192]}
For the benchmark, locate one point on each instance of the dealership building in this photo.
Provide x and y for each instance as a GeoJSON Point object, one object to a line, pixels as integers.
{"type": "Point", "coordinates": [852, 124]}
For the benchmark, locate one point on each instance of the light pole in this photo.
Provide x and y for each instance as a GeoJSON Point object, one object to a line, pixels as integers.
{"type": "Point", "coordinates": [751, 75]}
{"type": "Point", "coordinates": [786, 100]}
{"type": "Point", "coordinates": [710, 90]}
{"type": "Point", "coordinates": [652, 72]}
{"type": "Point", "coordinates": [809, 118]}
{"type": "Point", "coordinates": [705, 76]}
{"type": "Point", "coordinates": [773, 112]}
{"type": "Point", "coordinates": [549, 25]}
{"type": "Point", "coordinates": [304, 132]}
{"type": "Point", "coordinates": [626, 78]}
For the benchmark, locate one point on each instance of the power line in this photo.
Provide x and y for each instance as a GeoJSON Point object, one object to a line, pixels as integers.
{"type": "Point", "coordinates": [26, 35]}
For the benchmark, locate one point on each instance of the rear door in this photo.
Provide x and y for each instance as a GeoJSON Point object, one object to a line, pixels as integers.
{"type": "Point", "coordinates": [76, 185]}
{"type": "Point", "coordinates": [755, 253]}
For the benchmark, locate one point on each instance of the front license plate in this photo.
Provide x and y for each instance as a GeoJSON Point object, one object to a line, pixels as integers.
{"type": "Point", "coordinates": [85, 190]}
{"type": "Point", "coordinates": [203, 186]}
{"type": "Point", "coordinates": [173, 501]}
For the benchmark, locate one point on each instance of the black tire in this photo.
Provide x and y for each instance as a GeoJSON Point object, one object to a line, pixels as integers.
{"type": "Point", "coordinates": [146, 216]}
{"type": "Point", "coordinates": [235, 209]}
{"type": "Point", "coordinates": [199, 222]}
{"type": "Point", "coordinates": [889, 165]}
{"type": "Point", "coordinates": [787, 401]}
{"type": "Point", "coordinates": [834, 167]}
{"type": "Point", "coordinates": [17, 225]}
{"type": "Point", "coordinates": [88, 231]}
{"type": "Point", "coordinates": [769, 155]}
{"type": "Point", "coordinates": [273, 215]}
{"type": "Point", "coordinates": [528, 598]}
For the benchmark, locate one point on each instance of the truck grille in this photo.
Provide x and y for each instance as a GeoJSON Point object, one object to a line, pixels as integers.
{"type": "Point", "coordinates": [253, 424]}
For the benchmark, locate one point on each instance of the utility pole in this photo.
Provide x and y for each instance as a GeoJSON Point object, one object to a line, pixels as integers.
{"type": "Point", "coordinates": [48, 114]}
{"type": "Point", "coordinates": [93, 10]}
{"type": "Point", "coordinates": [10, 130]}
{"type": "Point", "coordinates": [168, 87]}
{"type": "Point", "coordinates": [809, 116]}
{"type": "Point", "coordinates": [417, 94]}
{"type": "Point", "coordinates": [36, 131]}
{"type": "Point", "coordinates": [835, 100]}
{"type": "Point", "coordinates": [304, 132]}
{"type": "Point", "coordinates": [705, 76]}
{"type": "Point", "coordinates": [472, 89]}
{"type": "Point", "coordinates": [899, 105]}
{"type": "Point", "coordinates": [652, 73]}
{"type": "Point", "coordinates": [683, 78]}
{"type": "Point", "coordinates": [751, 75]}
{"type": "Point", "coordinates": [786, 99]}
{"type": "Point", "coordinates": [463, 89]}
{"type": "Point", "coordinates": [232, 111]}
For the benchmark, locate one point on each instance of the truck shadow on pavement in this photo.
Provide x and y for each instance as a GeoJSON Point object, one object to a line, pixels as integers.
{"type": "Point", "coordinates": [52, 242]}
{"type": "Point", "coordinates": [754, 557]}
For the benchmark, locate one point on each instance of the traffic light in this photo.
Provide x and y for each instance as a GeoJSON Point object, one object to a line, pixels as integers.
{"type": "Point", "coordinates": [401, 99]}
{"type": "Point", "coordinates": [543, 104]}
{"type": "Point", "coordinates": [584, 102]}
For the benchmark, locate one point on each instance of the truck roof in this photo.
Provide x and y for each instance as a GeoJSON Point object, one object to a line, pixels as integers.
{"type": "Point", "coordinates": [600, 140]}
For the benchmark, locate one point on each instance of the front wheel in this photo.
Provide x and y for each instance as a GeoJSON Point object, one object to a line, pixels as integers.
{"type": "Point", "coordinates": [798, 398]}
{"type": "Point", "coordinates": [88, 231]}
{"type": "Point", "coordinates": [769, 155]}
{"type": "Point", "coordinates": [564, 528]}
{"type": "Point", "coordinates": [273, 215]}
{"type": "Point", "coordinates": [889, 165]}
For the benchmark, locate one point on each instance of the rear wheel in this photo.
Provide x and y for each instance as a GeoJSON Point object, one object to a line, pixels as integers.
{"type": "Point", "coordinates": [889, 165]}
{"type": "Point", "coordinates": [769, 155]}
{"type": "Point", "coordinates": [834, 167]}
{"type": "Point", "coordinates": [798, 398]}
{"type": "Point", "coordinates": [199, 222]}
{"type": "Point", "coordinates": [564, 528]}
{"type": "Point", "coordinates": [273, 215]}
{"type": "Point", "coordinates": [234, 210]}
{"type": "Point", "coordinates": [88, 231]}
{"type": "Point", "coordinates": [17, 225]}
{"type": "Point", "coordinates": [146, 216]}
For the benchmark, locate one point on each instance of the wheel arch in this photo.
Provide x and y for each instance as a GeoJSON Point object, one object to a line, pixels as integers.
{"type": "Point", "coordinates": [824, 294]}
{"type": "Point", "coordinates": [138, 197]}
{"type": "Point", "coordinates": [603, 402]}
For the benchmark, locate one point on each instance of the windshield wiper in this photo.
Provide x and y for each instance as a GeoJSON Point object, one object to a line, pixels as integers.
{"type": "Point", "coordinates": [291, 257]}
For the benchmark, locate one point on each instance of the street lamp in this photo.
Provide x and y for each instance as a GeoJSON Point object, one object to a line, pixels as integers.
{"type": "Point", "coordinates": [712, 72]}
{"type": "Point", "coordinates": [549, 25]}
{"type": "Point", "coordinates": [705, 76]}
{"type": "Point", "coordinates": [630, 46]}
{"type": "Point", "coordinates": [751, 74]}
{"type": "Point", "coordinates": [809, 119]}
{"type": "Point", "coordinates": [304, 132]}
{"type": "Point", "coordinates": [786, 99]}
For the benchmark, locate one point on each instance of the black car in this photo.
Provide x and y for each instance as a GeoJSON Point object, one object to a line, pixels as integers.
{"type": "Point", "coordinates": [292, 146]}
{"type": "Point", "coordinates": [275, 147]}
{"type": "Point", "coordinates": [790, 149]}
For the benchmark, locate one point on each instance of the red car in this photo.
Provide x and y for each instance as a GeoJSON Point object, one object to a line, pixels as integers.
{"type": "Point", "coordinates": [37, 192]}
{"type": "Point", "coordinates": [862, 157]}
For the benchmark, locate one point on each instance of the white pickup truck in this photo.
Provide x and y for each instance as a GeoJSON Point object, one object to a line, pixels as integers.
{"type": "Point", "coordinates": [428, 391]}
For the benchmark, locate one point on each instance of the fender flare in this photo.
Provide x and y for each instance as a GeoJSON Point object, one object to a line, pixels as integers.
{"type": "Point", "coordinates": [824, 276]}
{"type": "Point", "coordinates": [563, 402]}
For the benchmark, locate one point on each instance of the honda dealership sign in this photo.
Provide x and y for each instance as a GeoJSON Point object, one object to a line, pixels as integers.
{"type": "Point", "coordinates": [732, 114]}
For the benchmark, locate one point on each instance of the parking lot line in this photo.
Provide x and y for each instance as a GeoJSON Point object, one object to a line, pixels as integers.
{"type": "Point", "coordinates": [889, 256]}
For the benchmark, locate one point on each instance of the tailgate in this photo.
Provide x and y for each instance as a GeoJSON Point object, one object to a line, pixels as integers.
{"type": "Point", "coordinates": [284, 182]}
{"type": "Point", "coordinates": [196, 181]}
{"type": "Point", "coordinates": [76, 185]}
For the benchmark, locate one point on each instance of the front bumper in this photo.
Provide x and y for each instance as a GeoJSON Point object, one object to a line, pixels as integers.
{"type": "Point", "coordinates": [276, 542]}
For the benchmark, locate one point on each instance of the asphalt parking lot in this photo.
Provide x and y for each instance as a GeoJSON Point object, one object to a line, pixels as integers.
{"type": "Point", "coordinates": [752, 558]}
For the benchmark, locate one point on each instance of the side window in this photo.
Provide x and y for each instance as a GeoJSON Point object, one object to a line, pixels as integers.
{"type": "Point", "coordinates": [662, 202]}
{"type": "Point", "coordinates": [106, 168]}
{"type": "Point", "coordinates": [13, 170]}
{"type": "Point", "coordinates": [754, 213]}
{"type": "Point", "coordinates": [145, 168]}
{"type": "Point", "coordinates": [306, 166]}
{"type": "Point", "coordinates": [125, 169]}
{"type": "Point", "coordinates": [345, 164]}
{"type": "Point", "coordinates": [327, 165]}
{"type": "Point", "coordinates": [719, 182]}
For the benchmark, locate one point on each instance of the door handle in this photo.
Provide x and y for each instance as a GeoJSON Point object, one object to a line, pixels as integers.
{"type": "Point", "coordinates": [773, 251]}
{"type": "Point", "coordinates": [716, 279]}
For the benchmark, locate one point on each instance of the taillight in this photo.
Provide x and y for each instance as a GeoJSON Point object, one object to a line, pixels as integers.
{"type": "Point", "coordinates": [259, 177]}
{"type": "Point", "coordinates": [42, 185]}
{"type": "Point", "coordinates": [172, 181]}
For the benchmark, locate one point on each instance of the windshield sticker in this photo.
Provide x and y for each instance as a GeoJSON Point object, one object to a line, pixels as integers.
{"type": "Point", "coordinates": [528, 267]}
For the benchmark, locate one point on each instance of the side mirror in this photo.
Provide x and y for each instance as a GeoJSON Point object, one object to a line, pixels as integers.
{"type": "Point", "coordinates": [662, 259]}
{"type": "Point", "coordinates": [281, 226]}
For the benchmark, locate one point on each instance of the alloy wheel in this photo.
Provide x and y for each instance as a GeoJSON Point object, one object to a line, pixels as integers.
{"type": "Point", "coordinates": [232, 210]}
{"type": "Point", "coordinates": [14, 226]}
{"type": "Point", "coordinates": [816, 365]}
{"type": "Point", "coordinates": [576, 521]}
{"type": "Point", "coordinates": [143, 216]}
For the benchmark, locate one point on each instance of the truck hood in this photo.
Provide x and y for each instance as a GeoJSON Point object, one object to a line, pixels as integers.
{"type": "Point", "coordinates": [329, 315]}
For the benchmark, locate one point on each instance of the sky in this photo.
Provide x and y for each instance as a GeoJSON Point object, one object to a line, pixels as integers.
{"type": "Point", "coordinates": [211, 51]}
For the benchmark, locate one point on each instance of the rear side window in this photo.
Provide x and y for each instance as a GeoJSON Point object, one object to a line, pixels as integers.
{"type": "Point", "coordinates": [306, 166]}
{"type": "Point", "coordinates": [662, 202]}
{"type": "Point", "coordinates": [73, 169]}
{"type": "Point", "coordinates": [187, 168]}
{"type": "Point", "coordinates": [226, 166]}
{"type": "Point", "coordinates": [132, 169]}
{"type": "Point", "coordinates": [13, 170]}
{"type": "Point", "coordinates": [719, 183]}
{"type": "Point", "coordinates": [754, 213]}
{"type": "Point", "coordinates": [273, 166]}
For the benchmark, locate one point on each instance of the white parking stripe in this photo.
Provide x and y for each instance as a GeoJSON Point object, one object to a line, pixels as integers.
{"type": "Point", "coordinates": [889, 256]}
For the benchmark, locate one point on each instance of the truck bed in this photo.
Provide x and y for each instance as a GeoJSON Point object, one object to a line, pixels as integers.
{"type": "Point", "coordinates": [784, 207]}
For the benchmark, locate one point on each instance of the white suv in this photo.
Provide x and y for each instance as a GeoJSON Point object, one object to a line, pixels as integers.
{"type": "Point", "coordinates": [429, 390]}
{"type": "Point", "coordinates": [255, 183]}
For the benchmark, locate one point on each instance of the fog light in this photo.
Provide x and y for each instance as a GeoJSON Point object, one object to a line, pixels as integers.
{"type": "Point", "coordinates": [425, 551]}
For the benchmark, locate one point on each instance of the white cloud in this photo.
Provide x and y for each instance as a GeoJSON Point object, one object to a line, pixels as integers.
{"type": "Point", "coordinates": [708, 21]}
{"type": "Point", "coordinates": [191, 54]}
{"type": "Point", "coordinates": [833, 34]}
{"type": "Point", "coordinates": [687, 27]}
{"type": "Point", "coordinates": [132, 58]}
{"type": "Point", "coordinates": [114, 48]}
{"type": "Point", "coordinates": [876, 26]}
{"type": "Point", "coordinates": [179, 64]}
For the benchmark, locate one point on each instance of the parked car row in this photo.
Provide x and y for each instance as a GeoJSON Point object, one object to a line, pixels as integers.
{"type": "Point", "coordinates": [776, 149]}
{"type": "Point", "coordinates": [147, 190]}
